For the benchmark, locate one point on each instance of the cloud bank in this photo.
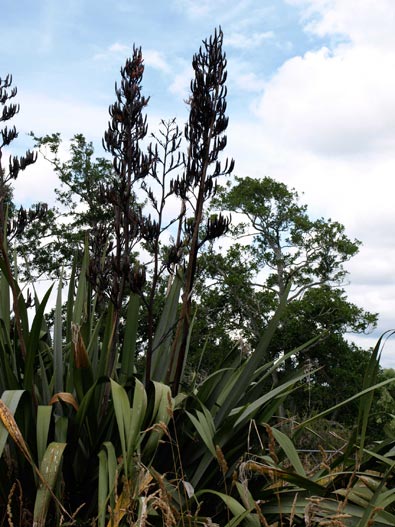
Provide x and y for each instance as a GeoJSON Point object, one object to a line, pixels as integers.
{"type": "Point", "coordinates": [326, 125]}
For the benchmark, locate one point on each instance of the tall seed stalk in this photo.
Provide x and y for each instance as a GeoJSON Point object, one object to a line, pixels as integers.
{"type": "Point", "coordinates": [16, 164]}
{"type": "Point", "coordinates": [205, 135]}
{"type": "Point", "coordinates": [126, 130]}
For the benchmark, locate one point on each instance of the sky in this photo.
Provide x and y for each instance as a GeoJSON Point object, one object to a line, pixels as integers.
{"type": "Point", "coordinates": [311, 101]}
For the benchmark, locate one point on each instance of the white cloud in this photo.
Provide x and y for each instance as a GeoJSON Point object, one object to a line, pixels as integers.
{"type": "Point", "coordinates": [242, 77]}
{"type": "Point", "coordinates": [368, 22]}
{"type": "Point", "coordinates": [201, 8]}
{"type": "Point", "coordinates": [45, 114]}
{"type": "Point", "coordinates": [152, 58]}
{"type": "Point", "coordinates": [326, 126]}
{"type": "Point", "coordinates": [36, 184]}
{"type": "Point", "coordinates": [155, 59]}
{"type": "Point", "coordinates": [333, 103]}
{"type": "Point", "coordinates": [249, 82]}
{"type": "Point", "coordinates": [118, 48]}
{"type": "Point", "coordinates": [182, 81]}
{"type": "Point", "coordinates": [248, 40]}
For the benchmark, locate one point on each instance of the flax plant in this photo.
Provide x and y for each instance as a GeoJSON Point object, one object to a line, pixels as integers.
{"type": "Point", "coordinates": [87, 438]}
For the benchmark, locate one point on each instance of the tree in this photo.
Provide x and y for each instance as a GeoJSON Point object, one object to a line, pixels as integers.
{"type": "Point", "coordinates": [337, 366]}
{"type": "Point", "coordinates": [51, 245]}
{"type": "Point", "coordinates": [288, 247]}
{"type": "Point", "coordinates": [285, 241]}
{"type": "Point", "coordinates": [383, 411]}
{"type": "Point", "coordinates": [247, 282]}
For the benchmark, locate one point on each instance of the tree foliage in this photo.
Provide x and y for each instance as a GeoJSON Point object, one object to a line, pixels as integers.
{"type": "Point", "coordinates": [287, 249]}
{"type": "Point", "coordinates": [49, 246]}
{"type": "Point", "coordinates": [295, 248]}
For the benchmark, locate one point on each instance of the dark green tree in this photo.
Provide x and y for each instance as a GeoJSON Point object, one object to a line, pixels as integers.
{"type": "Point", "coordinates": [337, 365]}
{"type": "Point", "coordinates": [383, 411]}
{"type": "Point", "coordinates": [246, 282]}
{"type": "Point", "coordinates": [285, 241]}
{"type": "Point", "coordinates": [78, 215]}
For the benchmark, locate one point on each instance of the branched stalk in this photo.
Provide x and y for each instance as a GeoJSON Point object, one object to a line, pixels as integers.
{"type": "Point", "coordinates": [204, 131]}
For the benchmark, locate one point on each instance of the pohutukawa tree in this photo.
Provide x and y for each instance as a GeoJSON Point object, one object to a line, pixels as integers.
{"type": "Point", "coordinates": [284, 239]}
{"type": "Point", "coordinates": [286, 246]}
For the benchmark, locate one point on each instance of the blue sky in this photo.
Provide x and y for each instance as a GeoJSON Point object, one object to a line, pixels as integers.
{"type": "Point", "coordinates": [311, 99]}
{"type": "Point", "coordinates": [72, 50]}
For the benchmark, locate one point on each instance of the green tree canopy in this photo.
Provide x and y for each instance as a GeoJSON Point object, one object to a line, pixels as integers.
{"type": "Point", "coordinates": [285, 240]}
{"type": "Point", "coordinates": [247, 281]}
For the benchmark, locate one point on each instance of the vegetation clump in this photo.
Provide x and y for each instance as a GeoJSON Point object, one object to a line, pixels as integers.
{"type": "Point", "coordinates": [180, 384]}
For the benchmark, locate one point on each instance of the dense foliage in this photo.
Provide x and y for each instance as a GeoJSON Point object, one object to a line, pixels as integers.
{"type": "Point", "coordinates": [176, 383]}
